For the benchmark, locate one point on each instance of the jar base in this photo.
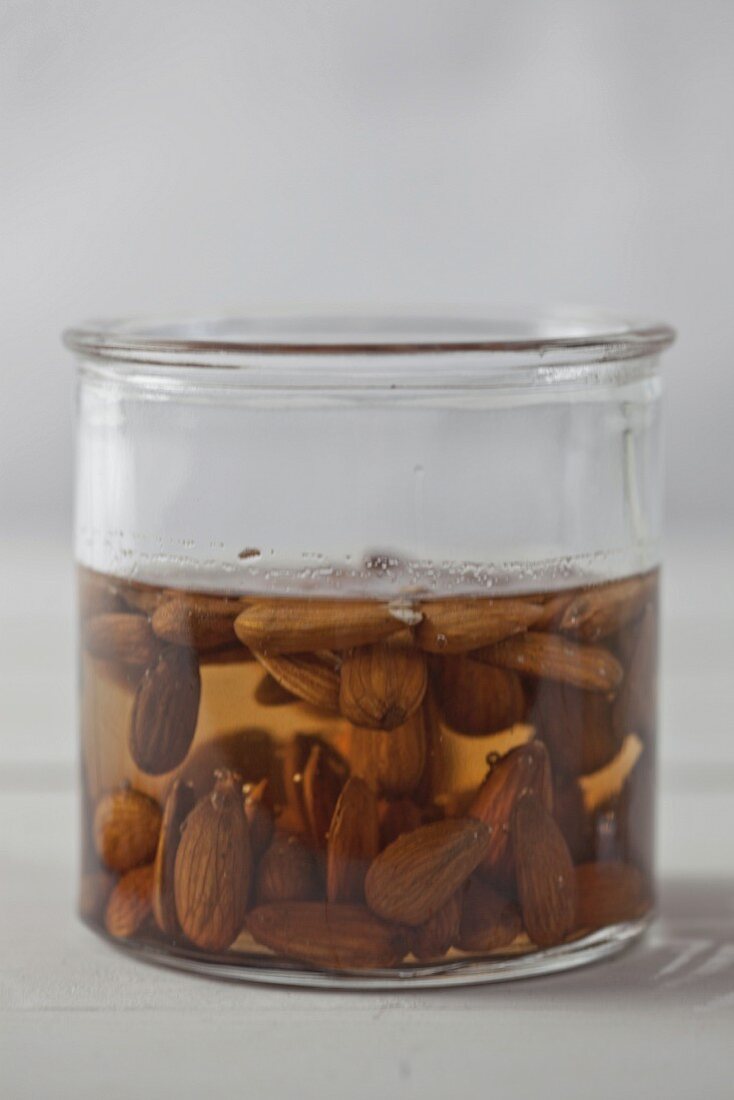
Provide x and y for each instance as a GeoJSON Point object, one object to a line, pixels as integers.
{"type": "Point", "coordinates": [592, 948]}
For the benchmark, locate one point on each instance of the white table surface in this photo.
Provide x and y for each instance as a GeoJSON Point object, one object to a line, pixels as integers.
{"type": "Point", "coordinates": [80, 1019]}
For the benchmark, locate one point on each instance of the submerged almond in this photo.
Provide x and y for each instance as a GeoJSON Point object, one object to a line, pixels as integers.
{"type": "Point", "coordinates": [477, 699]}
{"type": "Point", "coordinates": [178, 805]}
{"type": "Point", "coordinates": [352, 843]}
{"type": "Point", "coordinates": [126, 827]}
{"type": "Point", "coordinates": [391, 761]}
{"type": "Point", "coordinates": [333, 936]}
{"type": "Point", "coordinates": [129, 905]}
{"type": "Point", "coordinates": [489, 920]}
{"type": "Point", "coordinates": [606, 608]}
{"type": "Point", "coordinates": [165, 712]}
{"type": "Point", "coordinates": [122, 637]}
{"type": "Point", "coordinates": [382, 686]}
{"type": "Point", "coordinates": [200, 622]}
{"type": "Point", "coordinates": [303, 626]}
{"type": "Point", "coordinates": [286, 872]}
{"type": "Point", "coordinates": [306, 676]}
{"type": "Point", "coordinates": [439, 933]}
{"type": "Point", "coordinates": [546, 882]}
{"type": "Point", "coordinates": [547, 655]}
{"type": "Point", "coordinates": [609, 893]}
{"type": "Point", "coordinates": [459, 625]}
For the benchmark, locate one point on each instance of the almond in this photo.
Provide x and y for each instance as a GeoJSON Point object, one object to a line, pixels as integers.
{"type": "Point", "coordinates": [97, 596]}
{"type": "Point", "coordinates": [249, 752]}
{"type": "Point", "coordinates": [323, 778]}
{"type": "Point", "coordinates": [305, 625]}
{"type": "Point", "coordinates": [353, 842]}
{"type": "Point", "coordinates": [128, 639]}
{"type": "Point", "coordinates": [178, 805]}
{"type": "Point", "coordinates": [417, 874]}
{"type": "Point", "coordinates": [212, 868]}
{"type": "Point", "coordinates": [260, 817]}
{"type": "Point", "coordinates": [306, 676]}
{"type": "Point", "coordinates": [523, 769]}
{"type": "Point", "coordinates": [199, 622]}
{"type": "Point", "coordinates": [475, 698]}
{"type": "Point", "coordinates": [489, 920]}
{"type": "Point", "coordinates": [286, 873]}
{"type": "Point", "coordinates": [382, 686]}
{"type": "Point", "coordinates": [130, 903]}
{"type": "Point", "coordinates": [576, 727]}
{"type": "Point", "coordinates": [391, 761]}
{"type": "Point", "coordinates": [554, 608]}
{"type": "Point", "coordinates": [550, 657]}
{"type": "Point", "coordinates": [126, 827]}
{"type": "Point", "coordinates": [604, 609]}
{"type": "Point", "coordinates": [336, 937]}
{"type": "Point", "coordinates": [609, 893]}
{"type": "Point", "coordinates": [437, 935]}
{"type": "Point", "coordinates": [459, 625]}
{"type": "Point", "coordinates": [636, 704]}
{"type": "Point", "coordinates": [396, 818]}
{"type": "Point", "coordinates": [165, 712]}
{"type": "Point", "coordinates": [546, 881]}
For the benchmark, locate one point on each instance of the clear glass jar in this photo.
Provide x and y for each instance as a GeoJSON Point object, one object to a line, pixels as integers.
{"type": "Point", "coordinates": [368, 619]}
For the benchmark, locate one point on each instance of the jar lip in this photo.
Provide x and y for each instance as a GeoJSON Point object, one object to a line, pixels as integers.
{"type": "Point", "coordinates": [493, 341]}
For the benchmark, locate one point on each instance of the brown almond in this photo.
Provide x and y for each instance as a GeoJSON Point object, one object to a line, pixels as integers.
{"type": "Point", "coordinates": [609, 893]}
{"type": "Point", "coordinates": [179, 803]}
{"type": "Point", "coordinates": [636, 703]}
{"type": "Point", "coordinates": [121, 637]}
{"type": "Point", "coordinates": [97, 596]}
{"type": "Point", "coordinates": [489, 920]}
{"type": "Point", "coordinates": [546, 881]}
{"type": "Point", "coordinates": [459, 625]}
{"type": "Point", "coordinates": [381, 687]}
{"type": "Point", "coordinates": [437, 935]}
{"type": "Point", "coordinates": [130, 903]}
{"type": "Point", "coordinates": [554, 609]}
{"type": "Point", "coordinates": [576, 726]}
{"type": "Point", "coordinates": [550, 657]}
{"type": "Point", "coordinates": [126, 827]}
{"type": "Point", "coordinates": [306, 676]}
{"type": "Point", "coordinates": [397, 817]}
{"type": "Point", "coordinates": [323, 778]}
{"type": "Point", "coordinates": [523, 769]}
{"type": "Point", "coordinates": [260, 817]}
{"type": "Point", "coordinates": [199, 622]}
{"type": "Point", "coordinates": [302, 626]}
{"type": "Point", "coordinates": [604, 609]}
{"type": "Point", "coordinates": [212, 868]}
{"type": "Point", "coordinates": [336, 937]}
{"type": "Point", "coordinates": [286, 873]}
{"type": "Point", "coordinates": [391, 761]}
{"type": "Point", "coordinates": [352, 843]}
{"type": "Point", "coordinates": [417, 874]}
{"type": "Point", "coordinates": [477, 699]}
{"type": "Point", "coordinates": [165, 712]}
{"type": "Point", "coordinates": [142, 597]}
{"type": "Point", "coordinates": [249, 752]}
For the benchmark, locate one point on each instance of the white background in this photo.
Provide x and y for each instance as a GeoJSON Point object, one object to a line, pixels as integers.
{"type": "Point", "coordinates": [224, 155]}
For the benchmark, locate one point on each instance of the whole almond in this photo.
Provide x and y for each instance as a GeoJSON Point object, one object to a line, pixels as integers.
{"type": "Point", "coordinates": [352, 843]}
{"type": "Point", "coordinates": [477, 699]}
{"type": "Point", "coordinates": [97, 595]}
{"type": "Point", "coordinates": [459, 625]}
{"type": "Point", "coordinates": [397, 817]}
{"type": "Point", "coordinates": [165, 712]}
{"type": "Point", "coordinates": [523, 769]}
{"type": "Point", "coordinates": [286, 873]}
{"type": "Point", "coordinates": [546, 880]}
{"type": "Point", "coordinates": [576, 726]}
{"type": "Point", "coordinates": [489, 920]}
{"type": "Point", "coordinates": [323, 778]}
{"type": "Point", "coordinates": [609, 893]}
{"type": "Point", "coordinates": [333, 936]}
{"type": "Point", "coordinates": [437, 935]}
{"type": "Point", "coordinates": [130, 902]}
{"type": "Point", "coordinates": [212, 868]}
{"type": "Point", "coordinates": [550, 657]}
{"type": "Point", "coordinates": [179, 803]}
{"type": "Point", "coordinates": [382, 686]}
{"type": "Point", "coordinates": [307, 676]}
{"type": "Point", "coordinates": [122, 637]}
{"type": "Point", "coordinates": [199, 622]}
{"type": "Point", "coordinates": [417, 874]}
{"type": "Point", "coordinates": [126, 828]}
{"type": "Point", "coordinates": [604, 609]}
{"type": "Point", "coordinates": [306, 625]}
{"type": "Point", "coordinates": [391, 761]}
{"type": "Point", "coordinates": [260, 817]}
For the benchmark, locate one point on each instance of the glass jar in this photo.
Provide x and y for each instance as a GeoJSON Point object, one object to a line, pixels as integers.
{"type": "Point", "coordinates": [368, 620]}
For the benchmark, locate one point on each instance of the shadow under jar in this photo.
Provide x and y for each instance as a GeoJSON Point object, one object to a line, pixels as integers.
{"type": "Point", "coordinates": [368, 642]}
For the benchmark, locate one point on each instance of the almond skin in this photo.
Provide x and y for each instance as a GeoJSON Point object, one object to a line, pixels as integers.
{"type": "Point", "coordinates": [382, 686]}
{"type": "Point", "coordinates": [609, 893]}
{"type": "Point", "coordinates": [165, 712]}
{"type": "Point", "coordinates": [526, 768]}
{"type": "Point", "coordinates": [336, 937]}
{"type": "Point", "coordinates": [546, 881]}
{"type": "Point", "coordinates": [459, 625]}
{"type": "Point", "coordinates": [391, 761]}
{"type": "Point", "coordinates": [604, 609]}
{"type": "Point", "coordinates": [489, 920]}
{"type": "Point", "coordinates": [199, 622]}
{"type": "Point", "coordinates": [125, 638]}
{"type": "Point", "coordinates": [212, 869]}
{"type": "Point", "coordinates": [306, 676]}
{"type": "Point", "coordinates": [576, 726]}
{"type": "Point", "coordinates": [396, 818]}
{"type": "Point", "coordinates": [179, 803]}
{"type": "Point", "coordinates": [130, 903]}
{"type": "Point", "coordinates": [437, 935]}
{"type": "Point", "coordinates": [477, 699]}
{"type": "Point", "coordinates": [126, 828]}
{"type": "Point", "coordinates": [353, 842]}
{"type": "Point", "coordinates": [323, 779]}
{"type": "Point", "coordinates": [550, 657]}
{"type": "Point", "coordinates": [286, 873]}
{"type": "Point", "coordinates": [417, 874]}
{"type": "Point", "coordinates": [303, 626]}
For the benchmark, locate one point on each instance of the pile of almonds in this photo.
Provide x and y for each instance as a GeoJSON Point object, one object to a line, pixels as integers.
{"type": "Point", "coordinates": [344, 858]}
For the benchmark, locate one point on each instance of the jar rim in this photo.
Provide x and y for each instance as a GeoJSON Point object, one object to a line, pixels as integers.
{"type": "Point", "coordinates": [494, 345]}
